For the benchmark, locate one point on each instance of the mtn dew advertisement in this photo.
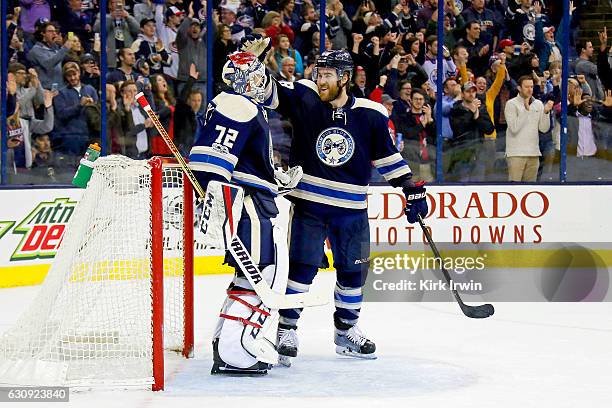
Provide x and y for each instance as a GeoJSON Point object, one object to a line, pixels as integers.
{"type": "Point", "coordinates": [42, 229]}
{"type": "Point", "coordinates": [32, 225]}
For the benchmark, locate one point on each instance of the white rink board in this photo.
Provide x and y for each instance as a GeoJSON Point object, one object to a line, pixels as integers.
{"type": "Point", "coordinates": [544, 214]}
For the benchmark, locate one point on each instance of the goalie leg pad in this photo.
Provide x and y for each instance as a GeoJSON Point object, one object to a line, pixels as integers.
{"type": "Point", "coordinates": [245, 321]}
{"type": "Point", "coordinates": [246, 325]}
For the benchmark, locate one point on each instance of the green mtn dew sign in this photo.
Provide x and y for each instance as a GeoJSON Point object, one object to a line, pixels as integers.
{"type": "Point", "coordinates": [42, 229]}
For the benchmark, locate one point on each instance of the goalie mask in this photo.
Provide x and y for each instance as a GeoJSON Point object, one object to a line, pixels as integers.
{"type": "Point", "coordinates": [246, 75]}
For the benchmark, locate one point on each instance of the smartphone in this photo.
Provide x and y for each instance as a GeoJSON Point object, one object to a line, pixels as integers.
{"type": "Point", "coordinates": [97, 36]}
{"type": "Point", "coordinates": [70, 35]}
{"type": "Point", "coordinates": [399, 137]}
{"type": "Point", "coordinates": [54, 87]}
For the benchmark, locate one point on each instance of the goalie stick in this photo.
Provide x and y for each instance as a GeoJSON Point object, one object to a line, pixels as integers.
{"type": "Point", "coordinates": [475, 312]}
{"type": "Point", "coordinates": [270, 298]}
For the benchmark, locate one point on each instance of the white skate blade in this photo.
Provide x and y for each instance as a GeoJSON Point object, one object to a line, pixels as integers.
{"type": "Point", "coordinates": [345, 351]}
{"type": "Point", "coordinates": [284, 361]}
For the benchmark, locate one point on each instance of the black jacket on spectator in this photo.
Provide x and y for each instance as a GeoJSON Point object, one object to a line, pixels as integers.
{"type": "Point", "coordinates": [11, 104]}
{"type": "Point", "coordinates": [70, 21]}
{"type": "Point", "coordinates": [184, 120]}
{"type": "Point", "coordinates": [475, 62]}
{"type": "Point", "coordinates": [410, 128]}
{"type": "Point", "coordinates": [603, 68]}
{"type": "Point", "coordinates": [220, 53]}
{"type": "Point", "coordinates": [465, 128]}
{"type": "Point", "coordinates": [91, 80]}
{"type": "Point", "coordinates": [143, 48]}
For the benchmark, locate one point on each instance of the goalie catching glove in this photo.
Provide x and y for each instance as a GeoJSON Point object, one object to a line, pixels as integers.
{"type": "Point", "coordinates": [256, 45]}
{"type": "Point", "coordinates": [416, 201]}
{"type": "Point", "coordinates": [287, 180]}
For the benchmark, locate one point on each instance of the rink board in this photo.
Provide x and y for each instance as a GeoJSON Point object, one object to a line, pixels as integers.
{"type": "Point", "coordinates": [527, 218]}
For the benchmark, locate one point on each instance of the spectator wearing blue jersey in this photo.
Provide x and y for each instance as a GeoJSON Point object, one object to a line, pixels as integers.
{"type": "Point", "coordinates": [71, 134]}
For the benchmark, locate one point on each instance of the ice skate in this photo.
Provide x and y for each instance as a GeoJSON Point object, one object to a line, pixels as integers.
{"type": "Point", "coordinates": [222, 368]}
{"type": "Point", "coordinates": [287, 345]}
{"type": "Point", "coordinates": [355, 344]}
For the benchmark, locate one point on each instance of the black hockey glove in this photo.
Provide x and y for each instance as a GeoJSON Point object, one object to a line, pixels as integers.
{"type": "Point", "coordinates": [416, 201]}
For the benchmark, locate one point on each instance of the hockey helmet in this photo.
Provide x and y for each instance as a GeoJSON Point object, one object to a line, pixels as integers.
{"type": "Point", "coordinates": [246, 75]}
{"type": "Point", "coordinates": [340, 60]}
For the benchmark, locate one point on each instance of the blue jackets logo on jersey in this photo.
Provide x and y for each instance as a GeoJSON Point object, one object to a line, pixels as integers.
{"type": "Point", "coordinates": [335, 146]}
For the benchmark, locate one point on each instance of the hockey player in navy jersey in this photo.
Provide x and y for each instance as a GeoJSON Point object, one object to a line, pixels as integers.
{"type": "Point", "coordinates": [336, 139]}
{"type": "Point", "coordinates": [233, 144]}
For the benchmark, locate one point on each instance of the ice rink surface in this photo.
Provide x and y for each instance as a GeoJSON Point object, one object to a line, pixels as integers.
{"type": "Point", "coordinates": [544, 355]}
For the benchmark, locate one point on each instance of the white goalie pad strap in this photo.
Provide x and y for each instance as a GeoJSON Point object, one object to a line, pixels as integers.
{"type": "Point", "coordinates": [221, 211]}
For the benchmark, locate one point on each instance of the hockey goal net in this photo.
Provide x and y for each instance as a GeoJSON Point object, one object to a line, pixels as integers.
{"type": "Point", "coordinates": [120, 290]}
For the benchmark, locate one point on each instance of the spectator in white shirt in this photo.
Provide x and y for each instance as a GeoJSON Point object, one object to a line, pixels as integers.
{"type": "Point", "coordinates": [525, 116]}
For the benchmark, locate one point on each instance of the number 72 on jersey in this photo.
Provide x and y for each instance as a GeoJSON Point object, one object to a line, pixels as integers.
{"type": "Point", "coordinates": [227, 136]}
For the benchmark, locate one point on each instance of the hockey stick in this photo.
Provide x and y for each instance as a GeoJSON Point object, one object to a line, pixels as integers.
{"type": "Point", "coordinates": [475, 312]}
{"type": "Point", "coordinates": [270, 298]}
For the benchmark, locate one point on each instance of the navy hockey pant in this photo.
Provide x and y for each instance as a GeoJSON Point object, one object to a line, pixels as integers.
{"type": "Point", "coordinates": [349, 236]}
{"type": "Point", "coordinates": [255, 232]}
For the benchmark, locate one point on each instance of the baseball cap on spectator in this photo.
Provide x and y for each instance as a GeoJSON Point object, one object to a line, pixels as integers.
{"type": "Point", "coordinates": [359, 68]}
{"type": "Point", "coordinates": [506, 42]}
{"type": "Point", "coordinates": [144, 21]}
{"type": "Point", "coordinates": [468, 85]}
{"type": "Point", "coordinates": [87, 58]}
{"type": "Point", "coordinates": [386, 99]}
{"type": "Point", "coordinates": [173, 11]}
{"type": "Point", "coordinates": [547, 29]}
{"type": "Point", "coordinates": [70, 66]}
{"type": "Point", "coordinates": [194, 21]}
{"type": "Point", "coordinates": [14, 67]}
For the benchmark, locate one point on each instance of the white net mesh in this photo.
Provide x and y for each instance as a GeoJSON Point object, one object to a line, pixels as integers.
{"type": "Point", "coordinates": [91, 322]}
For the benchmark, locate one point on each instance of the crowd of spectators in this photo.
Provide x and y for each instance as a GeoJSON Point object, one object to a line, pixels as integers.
{"type": "Point", "coordinates": [501, 101]}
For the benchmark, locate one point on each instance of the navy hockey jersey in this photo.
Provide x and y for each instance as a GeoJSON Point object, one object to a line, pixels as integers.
{"type": "Point", "coordinates": [233, 143]}
{"type": "Point", "coordinates": [337, 147]}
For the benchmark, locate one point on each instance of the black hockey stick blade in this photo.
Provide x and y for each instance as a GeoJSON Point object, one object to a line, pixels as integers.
{"type": "Point", "coordinates": [475, 312]}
